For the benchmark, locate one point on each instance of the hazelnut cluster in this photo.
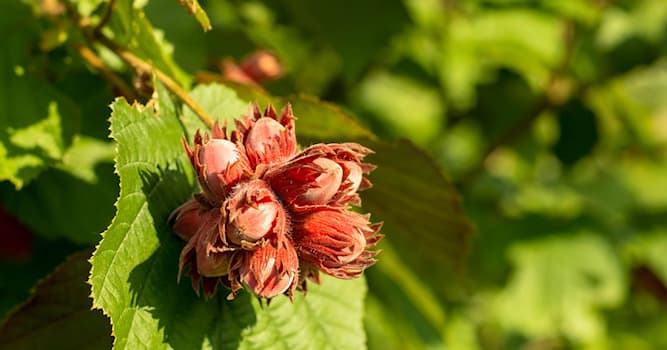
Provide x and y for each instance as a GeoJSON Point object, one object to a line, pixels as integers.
{"type": "Point", "coordinates": [270, 217]}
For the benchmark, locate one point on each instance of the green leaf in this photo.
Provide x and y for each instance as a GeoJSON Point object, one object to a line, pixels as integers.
{"type": "Point", "coordinates": [85, 177]}
{"type": "Point", "coordinates": [641, 19]}
{"type": "Point", "coordinates": [390, 330]}
{"type": "Point", "coordinates": [84, 155]}
{"type": "Point", "coordinates": [192, 49]}
{"type": "Point", "coordinates": [88, 209]}
{"type": "Point", "coordinates": [45, 255]}
{"type": "Point", "coordinates": [196, 10]}
{"type": "Point", "coordinates": [30, 149]}
{"type": "Point", "coordinates": [319, 121]}
{"type": "Point", "coordinates": [401, 310]}
{"type": "Point", "coordinates": [221, 103]}
{"type": "Point", "coordinates": [40, 205]}
{"type": "Point", "coordinates": [134, 268]}
{"type": "Point", "coordinates": [474, 48]}
{"type": "Point", "coordinates": [422, 212]}
{"type": "Point", "coordinates": [33, 126]}
{"type": "Point", "coordinates": [642, 176]}
{"type": "Point", "coordinates": [316, 120]}
{"type": "Point", "coordinates": [558, 286]}
{"type": "Point", "coordinates": [650, 249]}
{"type": "Point", "coordinates": [87, 7]}
{"type": "Point", "coordinates": [44, 136]}
{"type": "Point", "coordinates": [392, 97]}
{"type": "Point", "coordinates": [323, 21]}
{"type": "Point", "coordinates": [59, 309]}
{"type": "Point", "coordinates": [584, 12]}
{"type": "Point", "coordinates": [328, 317]}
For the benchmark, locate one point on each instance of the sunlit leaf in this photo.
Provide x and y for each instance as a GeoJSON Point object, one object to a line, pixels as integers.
{"type": "Point", "coordinates": [392, 97]}
{"type": "Point", "coordinates": [328, 317]}
{"type": "Point", "coordinates": [476, 47]}
{"type": "Point", "coordinates": [558, 286]}
{"type": "Point", "coordinates": [221, 103]}
{"type": "Point", "coordinates": [87, 7]}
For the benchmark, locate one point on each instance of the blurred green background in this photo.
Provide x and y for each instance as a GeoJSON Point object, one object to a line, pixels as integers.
{"type": "Point", "coordinates": [549, 116]}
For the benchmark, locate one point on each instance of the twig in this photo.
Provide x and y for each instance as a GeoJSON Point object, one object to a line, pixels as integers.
{"type": "Point", "coordinates": [95, 35]}
{"type": "Point", "coordinates": [108, 10]}
{"type": "Point", "coordinates": [144, 66]}
{"type": "Point", "coordinates": [92, 59]}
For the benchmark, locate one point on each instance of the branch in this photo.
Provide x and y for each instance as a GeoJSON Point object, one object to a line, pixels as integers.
{"type": "Point", "coordinates": [169, 83]}
{"type": "Point", "coordinates": [94, 34]}
{"type": "Point", "coordinates": [108, 10]}
{"type": "Point", "coordinates": [94, 61]}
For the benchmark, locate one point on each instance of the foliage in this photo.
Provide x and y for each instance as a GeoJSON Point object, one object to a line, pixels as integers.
{"type": "Point", "coordinates": [521, 150]}
{"type": "Point", "coordinates": [58, 308]}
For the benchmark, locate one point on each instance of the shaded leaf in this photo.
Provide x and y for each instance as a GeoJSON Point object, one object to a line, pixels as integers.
{"type": "Point", "coordinates": [84, 177]}
{"type": "Point", "coordinates": [650, 250]}
{"type": "Point", "coordinates": [60, 205]}
{"type": "Point", "coordinates": [59, 309]}
{"type": "Point", "coordinates": [192, 49]}
{"type": "Point", "coordinates": [323, 20]}
{"type": "Point", "coordinates": [84, 155]}
{"type": "Point", "coordinates": [20, 275]}
{"type": "Point", "coordinates": [322, 121]}
{"type": "Point", "coordinates": [422, 212]}
{"type": "Point", "coordinates": [496, 116]}
{"type": "Point", "coordinates": [317, 121]}
{"type": "Point", "coordinates": [401, 311]}
{"type": "Point", "coordinates": [386, 329]}
{"type": "Point", "coordinates": [578, 132]}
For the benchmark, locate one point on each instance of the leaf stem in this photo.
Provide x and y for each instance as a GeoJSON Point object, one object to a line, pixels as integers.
{"type": "Point", "coordinates": [105, 17]}
{"type": "Point", "coordinates": [94, 61]}
{"type": "Point", "coordinates": [168, 82]}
